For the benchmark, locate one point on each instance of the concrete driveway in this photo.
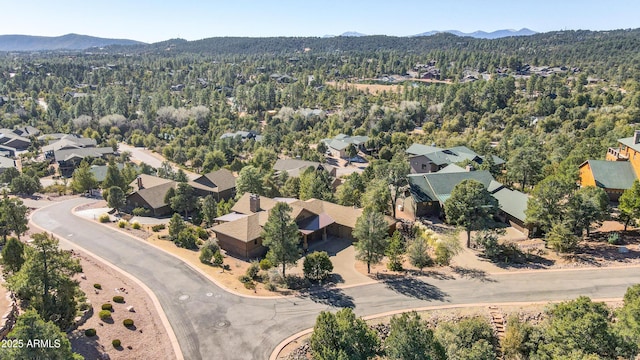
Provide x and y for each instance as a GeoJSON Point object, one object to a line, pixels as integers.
{"type": "Point", "coordinates": [213, 324]}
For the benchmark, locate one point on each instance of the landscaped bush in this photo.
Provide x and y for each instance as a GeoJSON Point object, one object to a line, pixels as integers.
{"type": "Point", "coordinates": [90, 332]}
{"type": "Point", "coordinates": [295, 282]}
{"type": "Point", "coordinates": [104, 314]}
{"type": "Point", "coordinates": [116, 343]}
{"type": "Point", "coordinates": [104, 218]}
{"type": "Point", "coordinates": [202, 233]}
{"type": "Point", "coordinates": [205, 255]}
{"type": "Point", "coordinates": [119, 299]}
{"type": "Point", "coordinates": [265, 264]}
{"type": "Point", "coordinates": [140, 211]}
{"type": "Point", "coordinates": [136, 225]}
{"type": "Point", "coordinates": [97, 286]}
{"type": "Point", "coordinates": [245, 279]}
{"type": "Point", "coordinates": [122, 224]}
{"type": "Point", "coordinates": [107, 307]}
{"type": "Point", "coordinates": [614, 238]}
{"type": "Point", "coordinates": [252, 270]}
{"type": "Point", "coordinates": [127, 322]}
{"type": "Point", "coordinates": [250, 285]}
{"type": "Point", "coordinates": [156, 228]}
{"type": "Point", "coordinates": [271, 287]}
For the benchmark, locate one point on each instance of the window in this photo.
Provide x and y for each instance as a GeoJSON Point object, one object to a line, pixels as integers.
{"type": "Point", "coordinates": [424, 166]}
{"type": "Point", "coordinates": [255, 242]}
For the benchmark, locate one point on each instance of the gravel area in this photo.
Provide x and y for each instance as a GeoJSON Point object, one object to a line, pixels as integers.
{"type": "Point", "coordinates": [147, 339]}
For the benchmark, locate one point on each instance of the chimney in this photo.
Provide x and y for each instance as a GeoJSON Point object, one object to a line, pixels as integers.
{"type": "Point", "coordinates": [636, 137]}
{"type": "Point", "coordinates": [254, 203]}
{"type": "Point", "coordinates": [469, 168]}
{"type": "Point", "coordinates": [140, 187]}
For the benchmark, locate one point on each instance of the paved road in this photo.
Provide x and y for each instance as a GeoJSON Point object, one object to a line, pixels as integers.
{"type": "Point", "coordinates": [211, 323]}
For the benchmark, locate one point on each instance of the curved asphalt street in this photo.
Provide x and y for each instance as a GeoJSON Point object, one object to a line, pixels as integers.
{"type": "Point", "coordinates": [210, 323]}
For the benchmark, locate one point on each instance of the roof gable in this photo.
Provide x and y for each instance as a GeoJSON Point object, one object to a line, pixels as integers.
{"type": "Point", "coordinates": [612, 174]}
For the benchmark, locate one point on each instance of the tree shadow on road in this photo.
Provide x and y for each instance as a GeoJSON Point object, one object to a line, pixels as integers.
{"type": "Point", "coordinates": [413, 287]}
{"type": "Point", "coordinates": [332, 297]}
{"type": "Point", "coordinates": [434, 275]}
{"type": "Point", "coordinates": [472, 273]}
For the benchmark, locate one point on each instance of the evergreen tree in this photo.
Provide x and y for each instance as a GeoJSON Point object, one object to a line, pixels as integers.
{"type": "Point", "coordinates": [281, 236]}
{"type": "Point", "coordinates": [342, 337]}
{"type": "Point", "coordinates": [470, 206]}
{"type": "Point", "coordinates": [410, 339]}
{"type": "Point", "coordinates": [371, 232]}
{"type": "Point", "coordinates": [12, 256]}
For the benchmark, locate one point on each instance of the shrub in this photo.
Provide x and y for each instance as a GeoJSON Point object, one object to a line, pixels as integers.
{"type": "Point", "coordinates": [317, 266]}
{"type": "Point", "coordinates": [218, 259]}
{"type": "Point", "coordinates": [90, 332]}
{"type": "Point", "coordinates": [156, 228]}
{"type": "Point", "coordinates": [252, 270]}
{"type": "Point", "coordinates": [136, 225]}
{"type": "Point", "coordinates": [265, 264]}
{"type": "Point", "coordinates": [245, 279]}
{"type": "Point", "coordinates": [116, 343]}
{"type": "Point", "coordinates": [295, 282]}
{"type": "Point", "coordinates": [205, 255]}
{"type": "Point", "coordinates": [127, 322]}
{"type": "Point", "coordinates": [275, 276]}
{"type": "Point", "coordinates": [211, 244]}
{"type": "Point", "coordinates": [107, 306]}
{"type": "Point", "coordinates": [202, 233]}
{"type": "Point", "coordinates": [97, 286]}
{"type": "Point", "coordinates": [250, 285]}
{"type": "Point", "coordinates": [614, 238]}
{"type": "Point", "coordinates": [443, 255]}
{"type": "Point", "coordinates": [122, 224]}
{"type": "Point", "coordinates": [270, 287]}
{"type": "Point", "coordinates": [104, 218]}
{"type": "Point", "coordinates": [104, 314]}
{"type": "Point", "coordinates": [119, 299]}
{"type": "Point", "coordinates": [140, 211]}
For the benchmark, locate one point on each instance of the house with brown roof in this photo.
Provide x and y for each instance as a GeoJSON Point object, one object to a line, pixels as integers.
{"type": "Point", "coordinates": [149, 192]}
{"type": "Point", "coordinates": [220, 183]}
{"type": "Point", "coordinates": [317, 220]}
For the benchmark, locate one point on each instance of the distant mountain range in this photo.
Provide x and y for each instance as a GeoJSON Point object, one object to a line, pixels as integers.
{"type": "Point", "coordinates": [476, 34]}
{"type": "Point", "coordinates": [82, 42]}
{"type": "Point", "coordinates": [64, 42]}
{"type": "Point", "coordinates": [484, 35]}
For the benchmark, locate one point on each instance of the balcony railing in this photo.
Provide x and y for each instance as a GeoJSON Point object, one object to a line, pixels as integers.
{"type": "Point", "coordinates": [615, 153]}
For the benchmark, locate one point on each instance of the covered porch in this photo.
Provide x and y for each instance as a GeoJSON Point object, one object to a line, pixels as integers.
{"type": "Point", "coordinates": [314, 229]}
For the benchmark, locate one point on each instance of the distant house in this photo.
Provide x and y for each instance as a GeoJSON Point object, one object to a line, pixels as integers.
{"type": "Point", "coordinates": [69, 159]}
{"type": "Point", "coordinates": [244, 135]}
{"type": "Point", "coordinates": [338, 146]}
{"type": "Point", "coordinates": [317, 220]}
{"type": "Point", "coordinates": [27, 131]}
{"type": "Point", "coordinates": [428, 159]}
{"type": "Point", "coordinates": [10, 140]}
{"type": "Point", "coordinates": [68, 142]}
{"type": "Point", "coordinates": [428, 192]}
{"type": "Point", "coordinates": [6, 163]}
{"type": "Point", "coordinates": [149, 192]}
{"type": "Point", "coordinates": [618, 172]}
{"type": "Point", "coordinates": [295, 167]}
{"type": "Point", "coordinates": [100, 171]}
{"type": "Point", "coordinates": [220, 183]}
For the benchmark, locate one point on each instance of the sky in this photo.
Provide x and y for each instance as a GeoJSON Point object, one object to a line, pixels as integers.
{"type": "Point", "coordinates": [153, 21]}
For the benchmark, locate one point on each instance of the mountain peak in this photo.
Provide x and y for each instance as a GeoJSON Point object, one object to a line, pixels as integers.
{"type": "Point", "coordinates": [483, 34]}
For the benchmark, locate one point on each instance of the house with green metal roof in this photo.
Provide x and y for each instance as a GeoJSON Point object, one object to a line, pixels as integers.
{"type": "Point", "coordinates": [428, 159]}
{"type": "Point", "coordinates": [614, 177]}
{"type": "Point", "coordinates": [428, 192]}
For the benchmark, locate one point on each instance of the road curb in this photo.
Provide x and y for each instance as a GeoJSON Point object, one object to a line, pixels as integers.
{"type": "Point", "coordinates": [195, 268]}
{"type": "Point", "coordinates": [276, 352]}
{"type": "Point", "coordinates": [156, 303]}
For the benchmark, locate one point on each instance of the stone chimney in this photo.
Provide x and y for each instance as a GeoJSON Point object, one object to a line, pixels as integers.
{"type": "Point", "coordinates": [140, 187]}
{"type": "Point", "coordinates": [254, 203]}
{"type": "Point", "coordinates": [636, 137]}
{"type": "Point", "coordinates": [469, 167]}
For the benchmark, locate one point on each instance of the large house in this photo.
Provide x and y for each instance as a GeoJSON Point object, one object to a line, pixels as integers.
{"type": "Point", "coordinates": [149, 191]}
{"type": "Point", "coordinates": [240, 232]}
{"type": "Point", "coordinates": [68, 142]}
{"type": "Point", "coordinates": [618, 172]}
{"type": "Point", "coordinates": [338, 146]}
{"type": "Point", "coordinates": [428, 192]}
{"type": "Point", "coordinates": [428, 159]}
